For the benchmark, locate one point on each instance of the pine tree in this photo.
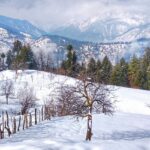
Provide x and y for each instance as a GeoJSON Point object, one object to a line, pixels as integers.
{"type": "Point", "coordinates": [106, 70]}
{"type": "Point", "coordinates": [70, 65]}
{"type": "Point", "coordinates": [148, 77]}
{"type": "Point", "coordinates": [120, 74]}
{"type": "Point", "coordinates": [115, 76]}
{"type": "Point", "coordinates": [3, 60]}
{"type": "Point", "coordinates": [17, 47]}
{"type": "Point", "coordinates": [134, 68]}
{"type": "Point", "coordinates": [142, 78]}
{"type": "Point", "coordinates": [145, 70]}
{"type": "Point", "coordinates": [146, 57]}
{"type": "Point", "coordinates": [91, 68]}
{"type": "Point", "coordinates": [98, 71]}
{"type": "Point", "coordinates": [28, 59]}
{"type": "Point", "coordinates": [9, 59]}
{"type": "Point", "coordinates": [82, 69]}
{"type": "Point", "coordinates": [23, 57]}
{"type": "Point", "coordinates": [74, 63]}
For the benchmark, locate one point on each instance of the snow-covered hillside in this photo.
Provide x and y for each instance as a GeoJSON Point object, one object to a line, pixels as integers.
{"type": "Point", "coordinates": [127, 129]}
{"type": "Point", "coordinates": [45, 83]}
{"type": "Point", "coordinates": [56, 47]}
{"type": "Point", "coordinates": [17, 26]}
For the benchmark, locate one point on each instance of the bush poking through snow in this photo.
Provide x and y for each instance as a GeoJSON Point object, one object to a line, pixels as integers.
{"type": "Point", "coordinates": [26, 98]}
{"type": "Point", "coordinates": [7, 89]}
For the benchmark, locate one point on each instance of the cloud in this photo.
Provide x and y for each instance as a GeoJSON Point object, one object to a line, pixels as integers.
{"type": "Point", "coordinates": [52, 13]}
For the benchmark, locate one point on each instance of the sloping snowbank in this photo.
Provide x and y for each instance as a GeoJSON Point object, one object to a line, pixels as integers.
{"type": "Point", "coordinates": [127, 129]}
{"type": "Point", "coordinates": [129, 100]}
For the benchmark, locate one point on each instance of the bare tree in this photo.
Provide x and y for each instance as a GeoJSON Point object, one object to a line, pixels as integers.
{"type": "Point", "coordinates": [50, 108]}
{"type": "Point", "coordinates": [83, 98]}
{"type": "Point", "coordinates": [7, 89]}
{"type": "Point", "coordinates": [44, 60]}
{"type": "Point", "coordinates": [26, 98]}
{"type": "Point", "coordinates": [68, 102]}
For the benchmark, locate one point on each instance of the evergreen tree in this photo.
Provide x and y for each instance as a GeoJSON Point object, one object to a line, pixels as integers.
{"type": "Point", "coordinates": [115, 76]}
{"type": "Point", "coordinates": [23, 57]}
{"type": "Point", "coordinates": [148, 77]}
{"type": "Point", "coordinates": [70, 64]}
{"type": "Point", "coordinates": [98, 71]}
{"type": "Point", "coordinates": [27, 56]}
{"type": "Point", "coordinates": [3, 60]}
{"type": "Point", "coordinates": [9, 59]}
{"type": "Point", "coordinates": [120, 74]}
{"type": "Point", "coordinates": [106, 70]}
{"type": "Point", "coordinates": [74, 63]}
{"type": "Point", "coordinates": [133, 71]}
{"type": "Point", "coordinates": [145, 70]}
{"type": "Point", "coordinates": [17, 47]}
{"type": "Point", "coordinates": [146, 57]}
{"type": "Point", "coordinates": [142, 80]}
{"type": "Point", "coordinates": [82, 69]}
{"type": "Point", "coordinates": [91, 68]}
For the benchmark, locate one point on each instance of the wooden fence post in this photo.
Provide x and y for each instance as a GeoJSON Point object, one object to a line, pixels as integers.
{"type": "Point", "coordinates": [35, 116]}
{"type": "Point", "coordinates": [23, 121]}
{"type": "Point", "coordinates": [7, 119]}
{"type": "Point", "coordinates": [39, 116]}
{"type": "Point", "coordinates": [14, 125]}
{"type": "Point", "coordinates": [30, 120]}
{"type": "Point", "coordinates": [42, 113]}
{"type": "Point", "coordinates": [3, 125]}
{"type": "Point", "coordinates": [19, 124]}
{"type": "Point", "coordinates": [26, 120]}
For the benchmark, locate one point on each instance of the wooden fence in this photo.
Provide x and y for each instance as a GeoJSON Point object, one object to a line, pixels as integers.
{"type": "Point", "coordinates": [11, 124]}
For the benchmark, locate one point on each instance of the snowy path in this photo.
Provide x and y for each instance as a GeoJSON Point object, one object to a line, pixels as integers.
{"type": "Point", "coordinates": [120, 132]}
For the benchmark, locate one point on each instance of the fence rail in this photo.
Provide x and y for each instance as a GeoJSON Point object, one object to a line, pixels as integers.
{"type": "Point", "coordinates": [10, 124]}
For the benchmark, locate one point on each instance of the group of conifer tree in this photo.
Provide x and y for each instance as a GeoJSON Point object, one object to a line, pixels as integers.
{"type": "Point", "coordinates": [135, 73]}
{"type": "Point", "coordinates": [20, 57]}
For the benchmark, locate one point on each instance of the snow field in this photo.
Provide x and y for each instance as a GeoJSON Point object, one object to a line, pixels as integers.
{"type": "Point", "coordinates": [127, 129]}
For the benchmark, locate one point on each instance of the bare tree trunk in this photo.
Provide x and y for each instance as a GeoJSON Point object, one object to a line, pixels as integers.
{"type": "Point", "coordinates": [1, 133]}
{"type": "Point", "coordinates": [8, 129]}
{"type": "Point", "coordinates": [19, 123]}
{"type": "Point", "coordinates": [89, 125]}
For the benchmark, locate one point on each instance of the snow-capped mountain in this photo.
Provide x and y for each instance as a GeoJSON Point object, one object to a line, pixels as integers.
{"type": "Point", "coordinates": [107, 29]}
{"type": "Point", "coordinates": [14, 29]}
{"type": "Point", "coordinates": [19, 27]}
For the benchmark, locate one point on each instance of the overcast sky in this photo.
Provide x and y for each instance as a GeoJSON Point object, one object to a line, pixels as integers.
{"type": "Point", "coordinates": [49, 13]}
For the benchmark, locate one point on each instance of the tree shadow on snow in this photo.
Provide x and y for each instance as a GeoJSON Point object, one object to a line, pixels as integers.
{"type": "Point", "coordinates": [127, 135]}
